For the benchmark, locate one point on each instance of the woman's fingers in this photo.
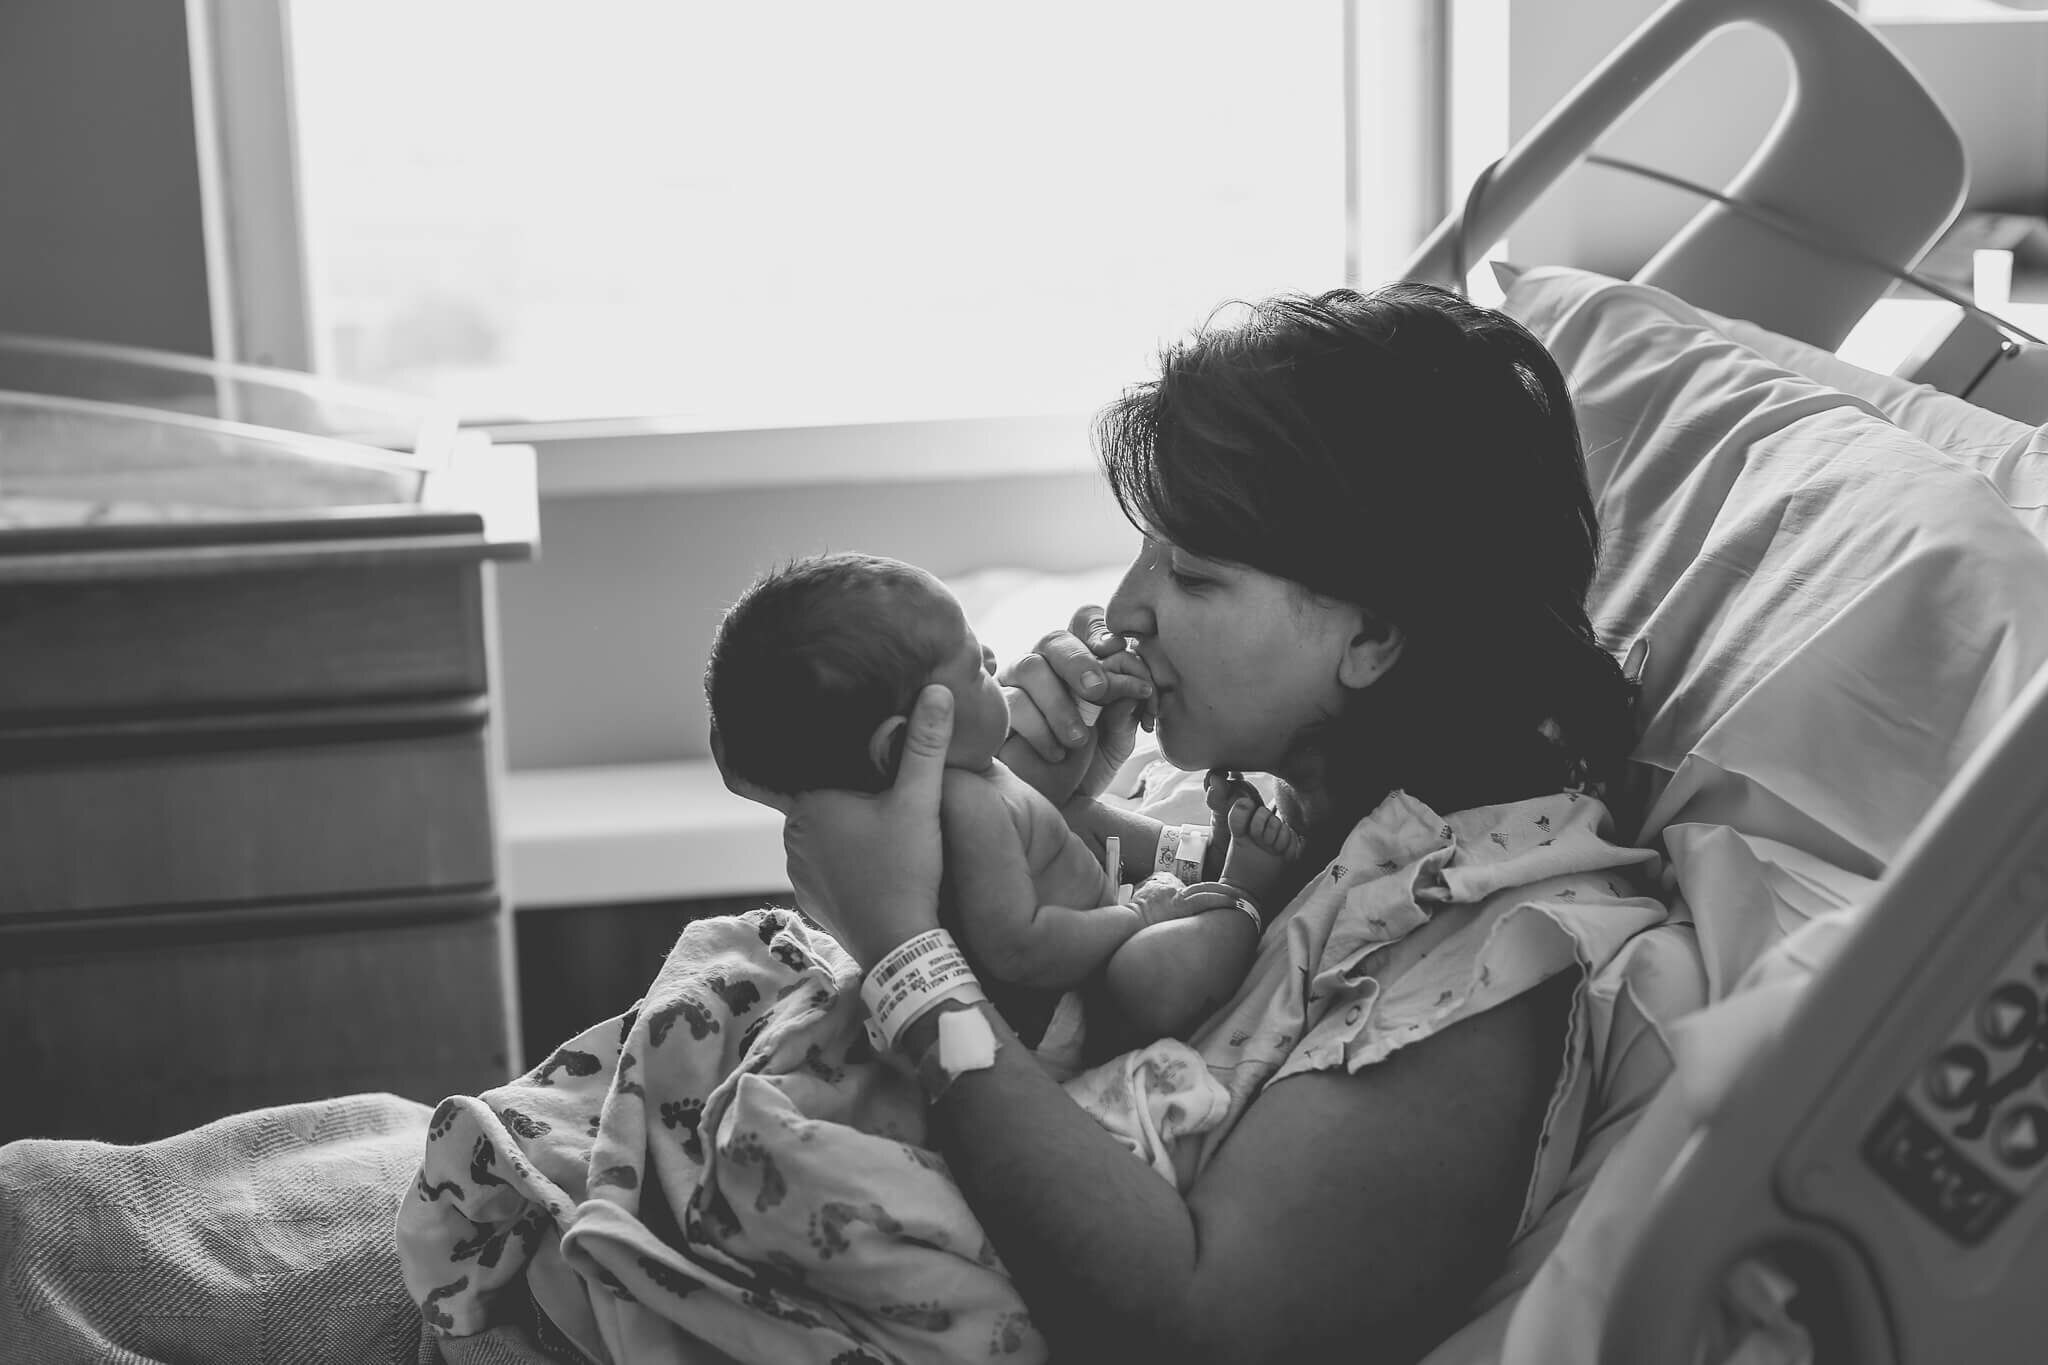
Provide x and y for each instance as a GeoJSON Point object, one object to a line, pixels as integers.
{"type": "Point", "coordinates": [1090, 625]}
{"type": "Point", "coordinates": [1086, 663]}
{"type": "Point", "coordinates": [922, 768]}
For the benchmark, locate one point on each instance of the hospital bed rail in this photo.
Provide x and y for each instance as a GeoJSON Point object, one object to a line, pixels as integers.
{"type": "Point", "coordinates": [1861, 155]}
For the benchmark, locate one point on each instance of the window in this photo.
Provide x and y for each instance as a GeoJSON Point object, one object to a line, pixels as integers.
{"type": "Point", "coordinates": [804, 212]}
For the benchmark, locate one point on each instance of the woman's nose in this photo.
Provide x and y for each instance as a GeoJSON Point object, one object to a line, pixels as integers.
{"type": "Point", "coordinates": [1130, 607]}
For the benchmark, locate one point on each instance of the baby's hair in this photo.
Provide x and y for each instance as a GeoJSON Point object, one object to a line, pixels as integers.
{"type": "Point", "coordinates": [810, 659]}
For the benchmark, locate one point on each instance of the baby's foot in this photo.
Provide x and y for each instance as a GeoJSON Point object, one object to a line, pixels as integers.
{"type": "Point", "coordinates": [1262, 845]}
{"type": "Point", "coordinates": [1221, 789]}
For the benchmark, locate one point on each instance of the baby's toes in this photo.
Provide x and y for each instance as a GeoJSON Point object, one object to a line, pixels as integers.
{"type": "Point", "coordinates": [1244, 816]}
{"type": "Point", "coordinates": [1273, 834]}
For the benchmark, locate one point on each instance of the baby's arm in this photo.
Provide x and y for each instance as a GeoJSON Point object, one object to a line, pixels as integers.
{"type": "Point", "coordinates": [1019, 940]}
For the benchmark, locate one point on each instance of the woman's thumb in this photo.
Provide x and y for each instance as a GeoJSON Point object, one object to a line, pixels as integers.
{"type": "Point", "coordinates": [930, 735]}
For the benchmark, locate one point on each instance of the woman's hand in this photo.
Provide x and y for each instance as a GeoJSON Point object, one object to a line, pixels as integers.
{"type": "Point", "coordinates": [1049, 745]}
{"type": "Point", "coordinates": [867, 867]}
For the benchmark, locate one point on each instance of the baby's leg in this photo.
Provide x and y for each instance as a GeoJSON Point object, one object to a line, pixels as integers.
{"type": "Point", "coordinates": [1262, 845]}
{"type": "Point", "coordinates": [1221, 790]}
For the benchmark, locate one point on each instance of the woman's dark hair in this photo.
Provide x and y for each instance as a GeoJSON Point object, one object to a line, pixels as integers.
{"type": "Point", "coordinates": [1415, 454]}
{"type": "Point", "coordinates": [810, 659]}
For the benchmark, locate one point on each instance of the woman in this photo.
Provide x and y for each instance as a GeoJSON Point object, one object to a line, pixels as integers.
{"type": "Point", "coordinates": [1369, 542]}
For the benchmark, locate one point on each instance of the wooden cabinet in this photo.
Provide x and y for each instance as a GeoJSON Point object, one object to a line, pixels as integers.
{"type": "Point", "coordinates": [247, 774]}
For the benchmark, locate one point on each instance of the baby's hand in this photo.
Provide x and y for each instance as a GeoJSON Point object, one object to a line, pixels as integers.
{"type": "Point", "coordinates": [1158, 899]}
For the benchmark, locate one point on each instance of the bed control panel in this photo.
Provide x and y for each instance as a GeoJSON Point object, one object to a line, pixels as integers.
{"type": "Point", "coordinates": [1888, 1148]}
{"type": "Point", "coordinates": [1969, 1136]}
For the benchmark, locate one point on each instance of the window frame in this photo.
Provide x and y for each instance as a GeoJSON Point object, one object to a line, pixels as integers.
{"type": "Point", "coordinates": [259, 276]}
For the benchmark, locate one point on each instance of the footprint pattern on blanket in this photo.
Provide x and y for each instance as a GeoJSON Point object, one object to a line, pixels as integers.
{"type": "Point", "coordinates": [669, 1278]}
{"type": "Point", "coordinates": [1011, 1332]}
{"type": "Point", "coordinates": [625, 1177]}
{"type": "Point", "coordinates": [929, 1316]}
{"type": "Point", "coordinates": [435, 1191]}
{"type": "Point", "coordinates": [829, 1224]}
{"type": "Point", "coordinates": [746, 1150]}
{"type": "Point", "coordinates": [686, 1115]}
{"type": "Point", "coordinates": [443, 1120]}
{"type": "Point", "coordinates": [430, 1307]}
{"type": "Point", "coordinates": [481, 1159]}
{"type": "Point", "coordinates": [739, 996]}
{"type": "Point", "coordinates": [525, 1125]}
{"type": "Point", "coordinates": [566, 1059]}
{"type": "Point", "coordinates": [687, 1008]}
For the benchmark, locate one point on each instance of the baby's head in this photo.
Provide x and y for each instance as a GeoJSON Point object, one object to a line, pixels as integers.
{"type": "Point", "coordinates": [814, 670]}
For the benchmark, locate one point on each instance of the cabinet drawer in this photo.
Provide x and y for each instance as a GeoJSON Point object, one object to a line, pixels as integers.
{"type": "Point", "coordinates": [314, 820]}
{"type": "Point", "coordinates": [127, 1044]}
{"type": "Point", "coordinates": [217, 641]}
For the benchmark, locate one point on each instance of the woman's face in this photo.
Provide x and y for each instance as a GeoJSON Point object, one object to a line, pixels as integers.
{"type": "Point", "coordinates": [1242, 662]}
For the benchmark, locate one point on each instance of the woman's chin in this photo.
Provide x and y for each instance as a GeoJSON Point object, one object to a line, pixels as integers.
{"type": "Point", "coordinates": [1182, 750]}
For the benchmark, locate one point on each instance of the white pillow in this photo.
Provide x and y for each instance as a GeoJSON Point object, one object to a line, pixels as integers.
{"type": "Point", "coordinates": [1837, 611]}
{"type": "Point", "coordinates": [2011, 455]}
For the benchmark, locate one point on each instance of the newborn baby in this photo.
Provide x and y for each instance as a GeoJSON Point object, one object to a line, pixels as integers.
{"type": "Point", "coordinates": [810, 684]}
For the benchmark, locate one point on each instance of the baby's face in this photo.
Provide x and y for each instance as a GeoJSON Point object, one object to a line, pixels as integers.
{"type": "Point", "coordinates": [981, 719]}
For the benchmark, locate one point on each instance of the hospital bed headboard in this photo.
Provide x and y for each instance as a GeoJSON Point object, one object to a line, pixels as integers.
{"type": "Point", "coordinates": [1861, 155]}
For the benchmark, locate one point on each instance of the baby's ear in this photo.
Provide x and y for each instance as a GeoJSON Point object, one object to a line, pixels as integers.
{"type": "Point", "coordinates": [885, 745]}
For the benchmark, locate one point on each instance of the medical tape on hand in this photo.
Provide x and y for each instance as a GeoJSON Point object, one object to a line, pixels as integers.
{"type": "Point", "coordinates": [1182, 851]}
{"type": "Point", "coordinates": [912, 978]}
{"type": "Point", "coordinates": [1089, 710]}
{"type": "Point", "coordinates": [1220, 894]}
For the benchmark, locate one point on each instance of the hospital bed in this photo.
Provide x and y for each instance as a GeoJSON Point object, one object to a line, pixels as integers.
{"type": "Point", "coordinates": [1820, 1122]}
{"type": "Point", "coordinates": [1841, 583]}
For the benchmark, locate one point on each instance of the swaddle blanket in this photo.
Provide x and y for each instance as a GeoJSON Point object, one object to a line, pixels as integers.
{"type": "Point", "coordinates": [731, 1165]}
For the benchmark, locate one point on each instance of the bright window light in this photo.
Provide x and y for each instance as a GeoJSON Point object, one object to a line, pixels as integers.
{"type": "Point", "coordinates": [803, 212]}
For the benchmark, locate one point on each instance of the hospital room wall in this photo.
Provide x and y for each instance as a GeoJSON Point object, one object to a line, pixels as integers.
{"type": "Point", "coordinates": [1990, 75]}
{"type": "Point", "coordinates": [603, 638]}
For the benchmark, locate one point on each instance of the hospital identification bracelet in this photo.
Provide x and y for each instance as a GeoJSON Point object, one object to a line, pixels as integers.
{"type": "Point", "coordinates": [1217, 895]}
{"type": "Point", "coordinates": [912, 978]}
{"type": "Point", "coordinates": [1182, 851]}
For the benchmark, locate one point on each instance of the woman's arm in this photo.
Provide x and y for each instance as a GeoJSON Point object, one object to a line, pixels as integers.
{"type": "Point", "coordinates": [1346, 1212]}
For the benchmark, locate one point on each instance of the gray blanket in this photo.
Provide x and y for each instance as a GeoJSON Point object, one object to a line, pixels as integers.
{"type": "Point", "coordinates": [262, 1237]}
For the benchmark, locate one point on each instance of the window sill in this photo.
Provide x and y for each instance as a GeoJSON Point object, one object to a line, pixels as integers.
{"type": "Point", "coordinates": [596, 459]}
{"type": "Point", "coordinates": [627, 832]}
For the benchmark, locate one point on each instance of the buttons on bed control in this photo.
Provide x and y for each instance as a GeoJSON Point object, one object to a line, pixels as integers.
{"type": "Point", "coordinates": [2020, 1137]}
{"type": "Point", "coordinates": [1969, 1137]}
{"type": "Point", "coordinates": [1956, 1076]}
{"type": "Point", "coordinates": [2008, 1015]}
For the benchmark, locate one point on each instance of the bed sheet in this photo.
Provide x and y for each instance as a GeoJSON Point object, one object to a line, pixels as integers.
{"type": "Point", "coordinates": [1838, 610]}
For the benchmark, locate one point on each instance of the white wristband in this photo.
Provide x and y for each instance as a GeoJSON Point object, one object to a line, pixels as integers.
{"type": "Point", "coordinates": [1182, 851]}
{"type": "Point", "coordinates": [915, 976]}
{"type": "Point", "coordinates": [1219, 894]}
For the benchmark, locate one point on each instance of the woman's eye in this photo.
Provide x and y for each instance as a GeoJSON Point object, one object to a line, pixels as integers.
{"type": "Point", "coordinates": [1187, 582]}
